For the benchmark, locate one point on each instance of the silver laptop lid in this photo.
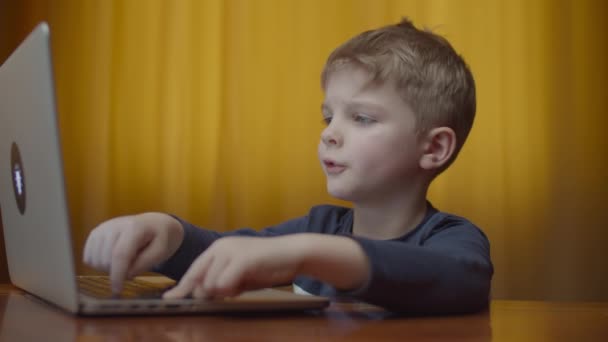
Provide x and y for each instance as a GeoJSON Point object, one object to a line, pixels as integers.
{"type": "Point", "coordinates": [32, 194]}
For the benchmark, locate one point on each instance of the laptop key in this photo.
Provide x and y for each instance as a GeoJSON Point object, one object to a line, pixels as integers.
{"type": "Point", "coordinates": [100, 287]}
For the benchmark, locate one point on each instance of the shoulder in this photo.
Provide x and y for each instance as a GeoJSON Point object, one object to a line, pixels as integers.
{"type": "Point", "coordinates": [329, 219]}
{"type": "Point", "coordinates": [444, 225]}
{"type": "Point", "coordinates": [451, 221]}
{"type": "Point", "coordinates": [444, 220]}
{"type": "Point", "coordinates": [328, 210]}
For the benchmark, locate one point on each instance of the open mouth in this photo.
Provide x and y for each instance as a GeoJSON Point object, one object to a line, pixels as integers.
{"type": "Point", "coordinates": [332, 167]}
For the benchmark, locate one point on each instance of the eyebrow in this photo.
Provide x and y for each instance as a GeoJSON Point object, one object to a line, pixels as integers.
{"type": "Point", "coordinates": [376, 108]}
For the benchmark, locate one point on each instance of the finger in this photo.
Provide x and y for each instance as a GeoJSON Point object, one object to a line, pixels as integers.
{"type": "Point", "coordinates": [215, 269]}
{"type": "Point", "coordinates": [87, 250]}
{"type": "Point", "coordinates": [146, 258]}
{"type": "Point", "coordinates": [191, 279]}
{"type": "Point", "coordinates": [105, 250]}
{"type": "Point", "coordinates": [231, 280]}
{"type": "Point", "coordinates": [100, 264]}
{"type": "Point", "coordinates": [96, 243]}
{"type": "Point", "coordinates": [206, 287]}
{"type": "Point", "coordinates": [88, 246]}
{"type": "Point", "coordinates": [93, 241]}
{"type": "Point", "coordinates": [123, 254]}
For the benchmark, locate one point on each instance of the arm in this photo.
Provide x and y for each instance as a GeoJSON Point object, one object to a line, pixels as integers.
{"type": "Point", "coordinates": [444, 269]}
{"type": "Point", "coordinates": [128, 245]}
{"type": "Point", "coordinates": [235, 264]}
{"type": "Point", "coordinates": [448, 272]}
{"type": "Point", "coordinates": [197, 240]}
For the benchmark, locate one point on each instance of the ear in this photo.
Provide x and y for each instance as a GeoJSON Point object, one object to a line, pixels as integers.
{"type": "Point", "coordinates": [438, 147]}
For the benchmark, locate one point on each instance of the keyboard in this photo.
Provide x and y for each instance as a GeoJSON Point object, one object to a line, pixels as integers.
{"type": "Point", "coordinates": [100, 287]}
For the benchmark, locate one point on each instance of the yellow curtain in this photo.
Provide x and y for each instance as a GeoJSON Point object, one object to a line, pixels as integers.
{"type": "Point", "coordinates": [210, 110]}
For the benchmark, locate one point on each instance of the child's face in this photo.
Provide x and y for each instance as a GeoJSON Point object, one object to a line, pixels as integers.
{"type": "Point", "coordinates": [369, 149]}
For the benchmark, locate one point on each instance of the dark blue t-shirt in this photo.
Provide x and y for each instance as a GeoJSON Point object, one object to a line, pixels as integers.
{"type": "Point", "coordinates": [442, 266]}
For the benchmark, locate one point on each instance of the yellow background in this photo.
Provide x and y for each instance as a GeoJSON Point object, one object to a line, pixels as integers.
{"type": "Point", "coordinates": [210, 110]}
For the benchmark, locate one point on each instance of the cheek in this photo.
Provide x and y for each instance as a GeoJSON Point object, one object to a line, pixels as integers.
{"type": "Point", "coordinates": [374, 154]}
{"type": "Point", "coordinates": [385, 156]}
{"type": "Point", "coordinates": [319, 149]}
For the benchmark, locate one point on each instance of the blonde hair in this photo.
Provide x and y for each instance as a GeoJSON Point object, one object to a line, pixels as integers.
{"type": "Point", "coordinates": [432, 78]}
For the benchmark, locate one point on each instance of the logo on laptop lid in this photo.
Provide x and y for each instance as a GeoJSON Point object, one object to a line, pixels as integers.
{"type": "Point", "coordinates": [18, 176]}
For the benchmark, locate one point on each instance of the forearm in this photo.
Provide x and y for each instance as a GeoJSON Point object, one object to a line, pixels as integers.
{"type": "Point", "coordinates": [400, 277]}
{"type": "Point", "coordinates": [421, 280]}
{"type": "Point", "coordinates": [197, 240]}
{"type": "Point", "coordinates": [336, 260]}
{"type": "Point", "coordinates": [193, 243]}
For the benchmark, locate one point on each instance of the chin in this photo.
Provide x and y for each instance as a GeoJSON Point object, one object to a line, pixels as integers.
{"type": "Point", "coordinates": [341, 194]}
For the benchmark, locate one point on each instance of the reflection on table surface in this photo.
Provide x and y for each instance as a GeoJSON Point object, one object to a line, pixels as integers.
{"type": "Point", "coordinates": [27, 318]}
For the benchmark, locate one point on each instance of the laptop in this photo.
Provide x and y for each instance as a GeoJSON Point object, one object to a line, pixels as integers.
{"type": "Point", "coordinates": [34, 209]}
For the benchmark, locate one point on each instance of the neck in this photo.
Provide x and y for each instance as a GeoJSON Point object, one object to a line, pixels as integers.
{"type": "Point", "coordinates": [391, 216]}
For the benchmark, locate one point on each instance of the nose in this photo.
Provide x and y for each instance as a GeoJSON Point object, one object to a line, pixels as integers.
{"type": "Point", "coordinates": [331, 135]}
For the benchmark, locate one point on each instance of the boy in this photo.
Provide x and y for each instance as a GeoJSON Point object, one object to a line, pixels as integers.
{"type": "Point", "coordinates": [399, 104]}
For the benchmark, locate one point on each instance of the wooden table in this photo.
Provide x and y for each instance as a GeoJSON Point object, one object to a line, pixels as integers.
{"type": "Point", "coordinates": [23, 318]}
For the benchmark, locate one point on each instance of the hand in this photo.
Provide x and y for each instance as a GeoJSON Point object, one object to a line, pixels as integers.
{"type": "Point", "coordinates": [129, 245]}
{"type": "Point", "coordinates": [232, 265]}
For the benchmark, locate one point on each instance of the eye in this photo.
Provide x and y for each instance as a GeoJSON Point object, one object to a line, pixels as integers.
{"type": "Point", "coordinates": [327, 119]}
{"type": "Point", "coordinates": [362, 119]}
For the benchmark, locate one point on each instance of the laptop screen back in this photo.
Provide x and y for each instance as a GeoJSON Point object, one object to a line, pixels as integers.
{"type": "Point", "coordinates": [32, 196]}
